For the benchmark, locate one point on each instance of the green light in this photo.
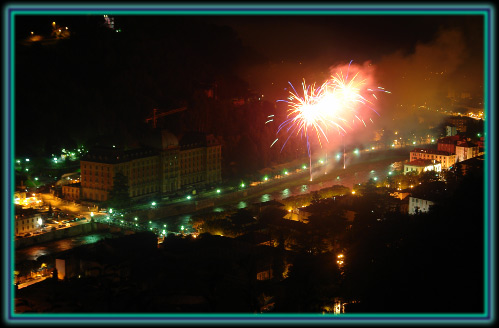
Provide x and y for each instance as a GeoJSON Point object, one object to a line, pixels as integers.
{"type": "Point", "coordinates": [27, 169]}
{"type": "Point", "coordinates": [285, 172]}
{"type": "Point", "coordinates": [218, 191]}
{"type": "Point", "coordinates": [150, 222]}
{"type": "Point", "coordinates": [393, 145]}
{"type": "Point", "coordinates": [432, 140]}
{"type": "Point", "coordinates": [390, 173]}
{"type": "Point", "coordinates": [27, 159]}
{"type": "Point", "coordinates": [414, 142]}
{"type": "Point", "coordinates": [150, 228]}
{"type": "Point", "coordinates": [18, 161]}
{"type": "Point", "coordinates": [242, 185]}
{"type": "Point", "coordinates": [153, 203]}
{"type": "Point", "coordinates": [135, 219]}
{"type": "Point", "coordinates": [304, 167]}
{"type": "Point", "coordinates": [375, 178]}
{"type": "Point", "coordinates": [356, 151]}
{"type": "Point", "coordinates": [182, 228]}
{"type": "Point", "coordinates": [188, 197]}
{"type": "Point", "coordinates": [110, 210]}
{"type": "Point", "coordinates": [321, 161]}
{"type": "Point", "coordinates": [265, 178]}
{"type": "Point", "coordinates": [338, 156]}
{"type": "Point", "coordinates": [164, 225]}
{"type": "Point", "coordinates": [36, 179]}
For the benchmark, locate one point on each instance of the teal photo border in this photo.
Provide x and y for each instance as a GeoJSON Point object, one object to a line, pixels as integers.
{"type": "Point", "coordinates": [10, 11]}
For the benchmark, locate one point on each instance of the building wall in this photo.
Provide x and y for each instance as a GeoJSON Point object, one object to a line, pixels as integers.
{"type": "Point", "coordinates": [143, 176]}
{"type": "Point", "coordinates": [418, 168]}
{"type": "Point", "coordinates": [24, 225]}
{"type": "Point", "coordinates": [418, 204]}
{"type": "Point", "coordinates": [446, 160]}
{"type": "Point", "coordinates": [71, 191]}
{"type": "Point", "coordinates": [464, 153]}
{"type": "Point", "coordinates": [170, 170]}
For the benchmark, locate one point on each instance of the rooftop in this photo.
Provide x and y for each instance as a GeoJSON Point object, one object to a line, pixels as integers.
{"type": "Point", "coordinates": [431, 151]}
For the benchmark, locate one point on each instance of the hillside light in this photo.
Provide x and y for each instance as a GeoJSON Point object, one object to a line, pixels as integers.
{"type": "Point", "coordinates": [164, 232]}
{"type": "Point", "coordinates": [27, 169]}
{"type": "Point", "coordinates": [218, 191]}
{"type": "Point", "coordinates": [286, 172]}
{"type": "Point", "coordinates": [242, 185]}
{"type": "Point", "coordinates": [356, 151]}
{"type": "Point", "coordinates": [338, 156]}
{"type": "Point", "coordinates": [390, 173]}
{"type": "Point", "coordinates": [372, 148]}
{"type": "Point", "coordinates": [265, 178]}
{"type": "Point", "coordinates": [18, 161]}
{"type": "Point", "coordinates": [111, 210]}
{"type": "Point", "coordinates": [135, 219]}
{"type": "Point", "coordinates": [153, 203]}
{"type": "Point", "coordinates": [414, 142]}
{"type": "Point", "coordinates": [182, 228]}
{"type": "Point", "coordinates": [36, 179]}
{"type": "Point", "coordinates": [375, 178]}
{"type": "Point", "coordinates": [150, 222]}
{"type": "Point", "coordinates": [164, 225]}
{"type": "Point", "coordinates": [27, 159]}
{"type": "Point", "coordinates": [92, 214]}
{"type": "Point", "coordinates": [188, 197]}
{"type": "Point", "coordinates": [304, 167]}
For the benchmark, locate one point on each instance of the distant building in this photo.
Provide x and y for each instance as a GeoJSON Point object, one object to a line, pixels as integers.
{"type": "Point", "coordinates": [448, 144]}
{"type": "Point", "coordinates": [163, 165]}
{"type": "Point", "coordinates": [418, 205]}
{"type": "Point", "coordinates": [459, 122]}
{"type": "Point", "coordinates": [422, 165]}
{"type": "Point", "coordinates": [99, 167]}
{"type": "Point", "coordinates": [450, 130]}
{"type": "Point", "coordinates": [71, 191]}
{"type": "Point", "coordinates": [445, 158]}
{"type": "Point", "coordinates": [466, 150]}
{"type": "Point", "coordinates": [27, 221]}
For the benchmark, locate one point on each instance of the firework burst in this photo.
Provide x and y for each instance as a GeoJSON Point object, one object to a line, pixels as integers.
{"type": "Point", "coordinates": [335, 105]}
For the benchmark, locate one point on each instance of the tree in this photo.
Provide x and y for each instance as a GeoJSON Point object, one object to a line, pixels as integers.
{"type": "Point", "coordinates": [119, 195]}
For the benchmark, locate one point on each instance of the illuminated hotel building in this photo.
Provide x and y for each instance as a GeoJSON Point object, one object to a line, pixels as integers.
{"type": "Point", "coordinates": [445, 158]}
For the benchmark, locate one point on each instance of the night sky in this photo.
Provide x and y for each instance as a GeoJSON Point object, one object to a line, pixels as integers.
{"type": "Point", "coordinates": [162, 61]}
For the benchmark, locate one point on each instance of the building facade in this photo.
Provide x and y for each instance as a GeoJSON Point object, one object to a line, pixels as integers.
{"type": "Point", "coordinates": [422, 165]}
{"type": "Point", "coordinates": [164, 165]}
{"type": "Point", "coordinates": [71, 191]}
{"type": "Point", "coordinates": [445, 158]}
{"type": "Point", "coordinates": [466, 150]}
{"type": "Point", "coordinates": [418, 205]}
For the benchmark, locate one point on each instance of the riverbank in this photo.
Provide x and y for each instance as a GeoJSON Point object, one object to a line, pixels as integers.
{"type": "Point", "coordinates": [76, 230]}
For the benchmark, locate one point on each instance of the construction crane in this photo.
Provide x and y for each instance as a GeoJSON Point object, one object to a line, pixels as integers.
{"type": "Point", "coordinates": [156, 115]}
